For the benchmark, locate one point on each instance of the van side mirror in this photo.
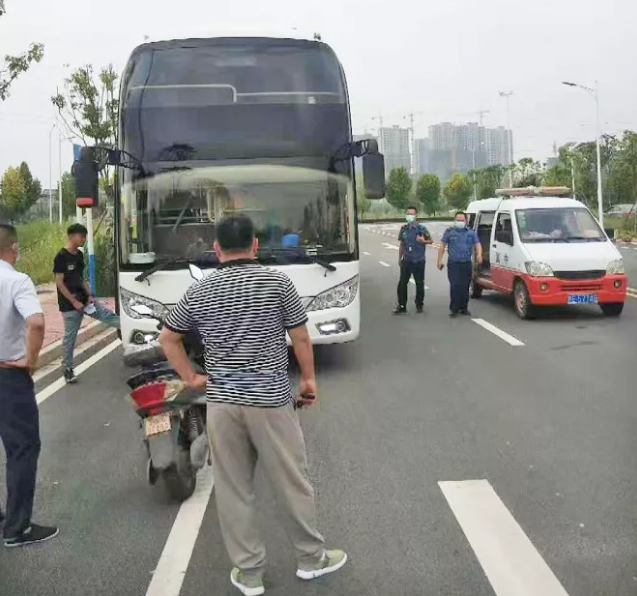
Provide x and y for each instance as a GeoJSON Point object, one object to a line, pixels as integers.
{"type": "Point", "coordinates": [85, 172]}
{"type": "Point", "coordinates": [374, 175]}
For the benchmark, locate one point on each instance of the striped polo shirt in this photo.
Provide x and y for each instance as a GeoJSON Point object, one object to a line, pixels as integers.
{"type": "Point", "coordinates": [242, 311]}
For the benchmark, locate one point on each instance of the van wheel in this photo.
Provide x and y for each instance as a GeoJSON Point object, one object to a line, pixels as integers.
{"type": "Point", "coordinates": [612, 309]}
{"type": "Point", "coordinates": [475, 290]}
{"type": "Point", "coordinates": [523, 305]}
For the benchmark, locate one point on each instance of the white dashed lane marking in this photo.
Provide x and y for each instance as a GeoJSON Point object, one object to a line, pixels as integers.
{"type": "Point", "coordinates": [503, 335]}
{"type": "Point", "coordinates": [511, 563]}
{"type": "Point", "coordinates": [384, 264]}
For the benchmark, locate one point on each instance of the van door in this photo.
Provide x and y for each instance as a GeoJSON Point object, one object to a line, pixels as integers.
{"type": "Point", "coordinates": [503, 261]}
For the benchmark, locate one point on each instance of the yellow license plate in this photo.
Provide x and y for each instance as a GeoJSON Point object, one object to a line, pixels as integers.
{"type": "Point", "coordinates": [156, 425]}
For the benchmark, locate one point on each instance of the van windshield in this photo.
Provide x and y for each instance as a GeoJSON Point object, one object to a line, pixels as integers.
{"type": "Point", "coordinates": [568, 224]}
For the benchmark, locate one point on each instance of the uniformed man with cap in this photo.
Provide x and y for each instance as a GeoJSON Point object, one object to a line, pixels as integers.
{"type": "Point", "coordinates": [413, 238]}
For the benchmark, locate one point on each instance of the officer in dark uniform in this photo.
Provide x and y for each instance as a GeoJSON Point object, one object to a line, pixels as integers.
{"type": "Point", "coordinates": [413, 238]}
{"type": "Point", "coordinates": [461, 242]}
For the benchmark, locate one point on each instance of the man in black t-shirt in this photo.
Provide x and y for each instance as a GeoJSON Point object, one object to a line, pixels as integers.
{"type": "Point", "coordinates": [74, 295]}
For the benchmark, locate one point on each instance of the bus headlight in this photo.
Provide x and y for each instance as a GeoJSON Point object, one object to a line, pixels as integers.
{"type": "Point", "coordinates": [537, 269]}
{"type": "Point", "coordinates": [130, 299]}
{"type": "Point", "coordinates": [336, 297]}
{"type": "Point", "coordinates": [616, 267]}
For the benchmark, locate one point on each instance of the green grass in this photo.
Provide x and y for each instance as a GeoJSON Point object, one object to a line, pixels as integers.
{"type": "Point", "coordinates": [41, 240]}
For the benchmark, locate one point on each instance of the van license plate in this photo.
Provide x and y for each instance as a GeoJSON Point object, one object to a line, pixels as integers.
{"type": "Point", "coordinates": [582, 299]}
{"type": "Point", "coordinates": [156, 425]}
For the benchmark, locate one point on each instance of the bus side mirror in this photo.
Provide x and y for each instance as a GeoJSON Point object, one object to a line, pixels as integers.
{"type": "Point", "coordinates": [85, 173]}
{"type": "Point", "coordinates": [374, 175]}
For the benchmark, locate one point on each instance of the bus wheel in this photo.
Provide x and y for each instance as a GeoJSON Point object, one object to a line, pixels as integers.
{"type": "Point", "coordinates": [612, 309]}
{"type": "Point", "coordinates": [475, 289]}
{"type": "Point", "coordinates": [523, 306]}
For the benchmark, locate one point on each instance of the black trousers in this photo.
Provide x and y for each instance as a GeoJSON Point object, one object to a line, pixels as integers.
{"type": "Point", "coordinates": [459, 282]}
{"type": "Point", "coordinates": [20, 434]}
{"type": "Point", "coordinates": [407, 269]}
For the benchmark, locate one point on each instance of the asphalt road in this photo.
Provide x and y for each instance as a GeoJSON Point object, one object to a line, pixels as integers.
{"type": "Point", "coordinates": [417, 401]}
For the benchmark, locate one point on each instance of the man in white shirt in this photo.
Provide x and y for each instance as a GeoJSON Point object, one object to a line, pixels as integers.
{"type": "Point", "coordinates": [21, 337]}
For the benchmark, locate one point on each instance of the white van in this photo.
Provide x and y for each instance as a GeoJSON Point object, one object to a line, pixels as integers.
{"type": "Point", "coordinates": [545, 249]}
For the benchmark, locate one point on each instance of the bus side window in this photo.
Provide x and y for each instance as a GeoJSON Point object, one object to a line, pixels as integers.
{"type": "Point", "coordinates": [472, 220]}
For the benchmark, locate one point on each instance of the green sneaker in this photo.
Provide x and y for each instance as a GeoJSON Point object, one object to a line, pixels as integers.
{"type": "Point", "coordinates": [250, 586]}
{"type": "Point", "coordinates": [332, 561]}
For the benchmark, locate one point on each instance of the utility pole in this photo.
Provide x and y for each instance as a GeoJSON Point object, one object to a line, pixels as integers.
{"type": "Point", "coordinates": [413, 144]}
{"type": "Point", "coordinates": [507, 96]}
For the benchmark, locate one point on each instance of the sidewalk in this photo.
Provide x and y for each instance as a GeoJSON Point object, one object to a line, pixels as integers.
{"type": "Point", "coordinates": [53, 318]}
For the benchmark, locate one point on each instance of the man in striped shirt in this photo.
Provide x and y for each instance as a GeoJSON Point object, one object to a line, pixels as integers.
{"type": "Point", "coordinates": [242, 312]}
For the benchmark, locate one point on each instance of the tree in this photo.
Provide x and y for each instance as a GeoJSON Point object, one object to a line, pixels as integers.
{"type": "Point", "coordinates": [14, 66]}
{"type": "Point", "coordinates": [488, 180]}
{"type": "Point", "coordinates": [33, 188]}
{"type": "Point", "coordinates": [89, 108]}
{"type": "Point", "coordinates": [398, 188]}
{"type": "Point", "coordinates": [527, 172]}
{"type": "Point", "coordinates": [13, 193]}
{"type": "Point", "coordinates": [428, 193]}
{"type": "Point", "coordinates": [68, 195]}
{"type": "Point", "coordinates": [458, 191]}
{"type": "Point", "coordinates": [558, 175]}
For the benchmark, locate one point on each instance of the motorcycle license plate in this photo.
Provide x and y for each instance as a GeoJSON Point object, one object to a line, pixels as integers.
{"type": "Point", "coordinates": [156, 425]}
{"type": "Point", "coordinates": [582, 298]}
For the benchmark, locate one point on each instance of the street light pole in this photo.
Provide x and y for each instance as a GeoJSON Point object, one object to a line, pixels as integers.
{"type": "Point", "coordinates": [595, 94]}
{"type": "Point", "coordinates": [600, 198]}
{"type": "Point", "coordinates": [51, 174]}
{"type": "Point", "coordinates": [507, 97]}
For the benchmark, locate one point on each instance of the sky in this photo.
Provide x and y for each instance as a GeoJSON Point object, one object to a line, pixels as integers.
{"type": "Point", "coordinates": [441, 61]}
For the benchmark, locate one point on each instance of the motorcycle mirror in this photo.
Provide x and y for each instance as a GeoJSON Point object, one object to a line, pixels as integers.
{"type": "Point", "coordinates": [143, 310]}
{"type": "Point", "coordinates": [196, 272]}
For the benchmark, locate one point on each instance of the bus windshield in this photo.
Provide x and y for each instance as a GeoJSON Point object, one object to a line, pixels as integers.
{"type": "Point", "coordinates": [233, 99]}
{"type": "Point", "coordinates": [571, 224]}
{"type": "Point", "coordinates": [174, 214]}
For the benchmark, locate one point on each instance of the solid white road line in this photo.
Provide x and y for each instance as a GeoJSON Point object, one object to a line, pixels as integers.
{"type": "Point", "coordinates": [175, 558]}
{"type": "Point", "coordinates": [87, 345]}
{"type": "Point", "coordinates": [510, 561]}
{"type": "Point", "coordinates": [57, 385]}
{"type": "Point", "coordinates": [384, 264]}
{"type": "Point", "coordinates": [503, 335]}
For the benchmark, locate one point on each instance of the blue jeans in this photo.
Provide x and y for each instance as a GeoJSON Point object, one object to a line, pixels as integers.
{"type": "Point", "coordinates": [20, 434]}
{"type": "Point", "coordinates": [72, 324]}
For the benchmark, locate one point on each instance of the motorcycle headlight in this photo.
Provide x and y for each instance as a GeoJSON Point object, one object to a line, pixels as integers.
{"type": "Point", "coordinates": [336, 297]}
{"type": "Point", "coordinates": [616, 267]}
{"type": "Point", "coordinates": [537, 269]}
{"type": "Point", "coordinates": [130, 299]}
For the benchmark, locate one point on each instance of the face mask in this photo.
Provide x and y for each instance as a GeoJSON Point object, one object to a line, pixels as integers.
{"type": "Point", "coordinates": [410, 218]}
{"type": "Point", "coordinates": [460, 224]}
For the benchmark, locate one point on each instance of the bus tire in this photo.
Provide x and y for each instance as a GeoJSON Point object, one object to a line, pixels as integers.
{"type": "Point", "coordinates": [476, 290]}
{"type": "Point", "coordinates": [523, 306]}
{"type": "Point", "coordinates": [612, 309]}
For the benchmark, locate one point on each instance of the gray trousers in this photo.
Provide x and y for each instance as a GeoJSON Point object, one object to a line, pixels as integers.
{"type": "Point", "coordinates": [73, 323]}
{"type": "Point", "coordinates": [239, 436]}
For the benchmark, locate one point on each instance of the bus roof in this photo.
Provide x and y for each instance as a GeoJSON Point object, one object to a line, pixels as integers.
{"type": "Point", "coordinates": [202, 42]}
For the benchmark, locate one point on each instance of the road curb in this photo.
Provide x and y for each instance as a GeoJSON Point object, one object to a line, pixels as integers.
{"type": "Point", "coordinates": [54, 350]}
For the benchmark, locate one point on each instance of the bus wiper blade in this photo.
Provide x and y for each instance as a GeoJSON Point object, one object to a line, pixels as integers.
{"type": "Point", "coordinates": [586, 238]}
{"type": "Point", "coordinates": [161, 265]}
{"type": "Point", "coordinates": [294, 252]}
